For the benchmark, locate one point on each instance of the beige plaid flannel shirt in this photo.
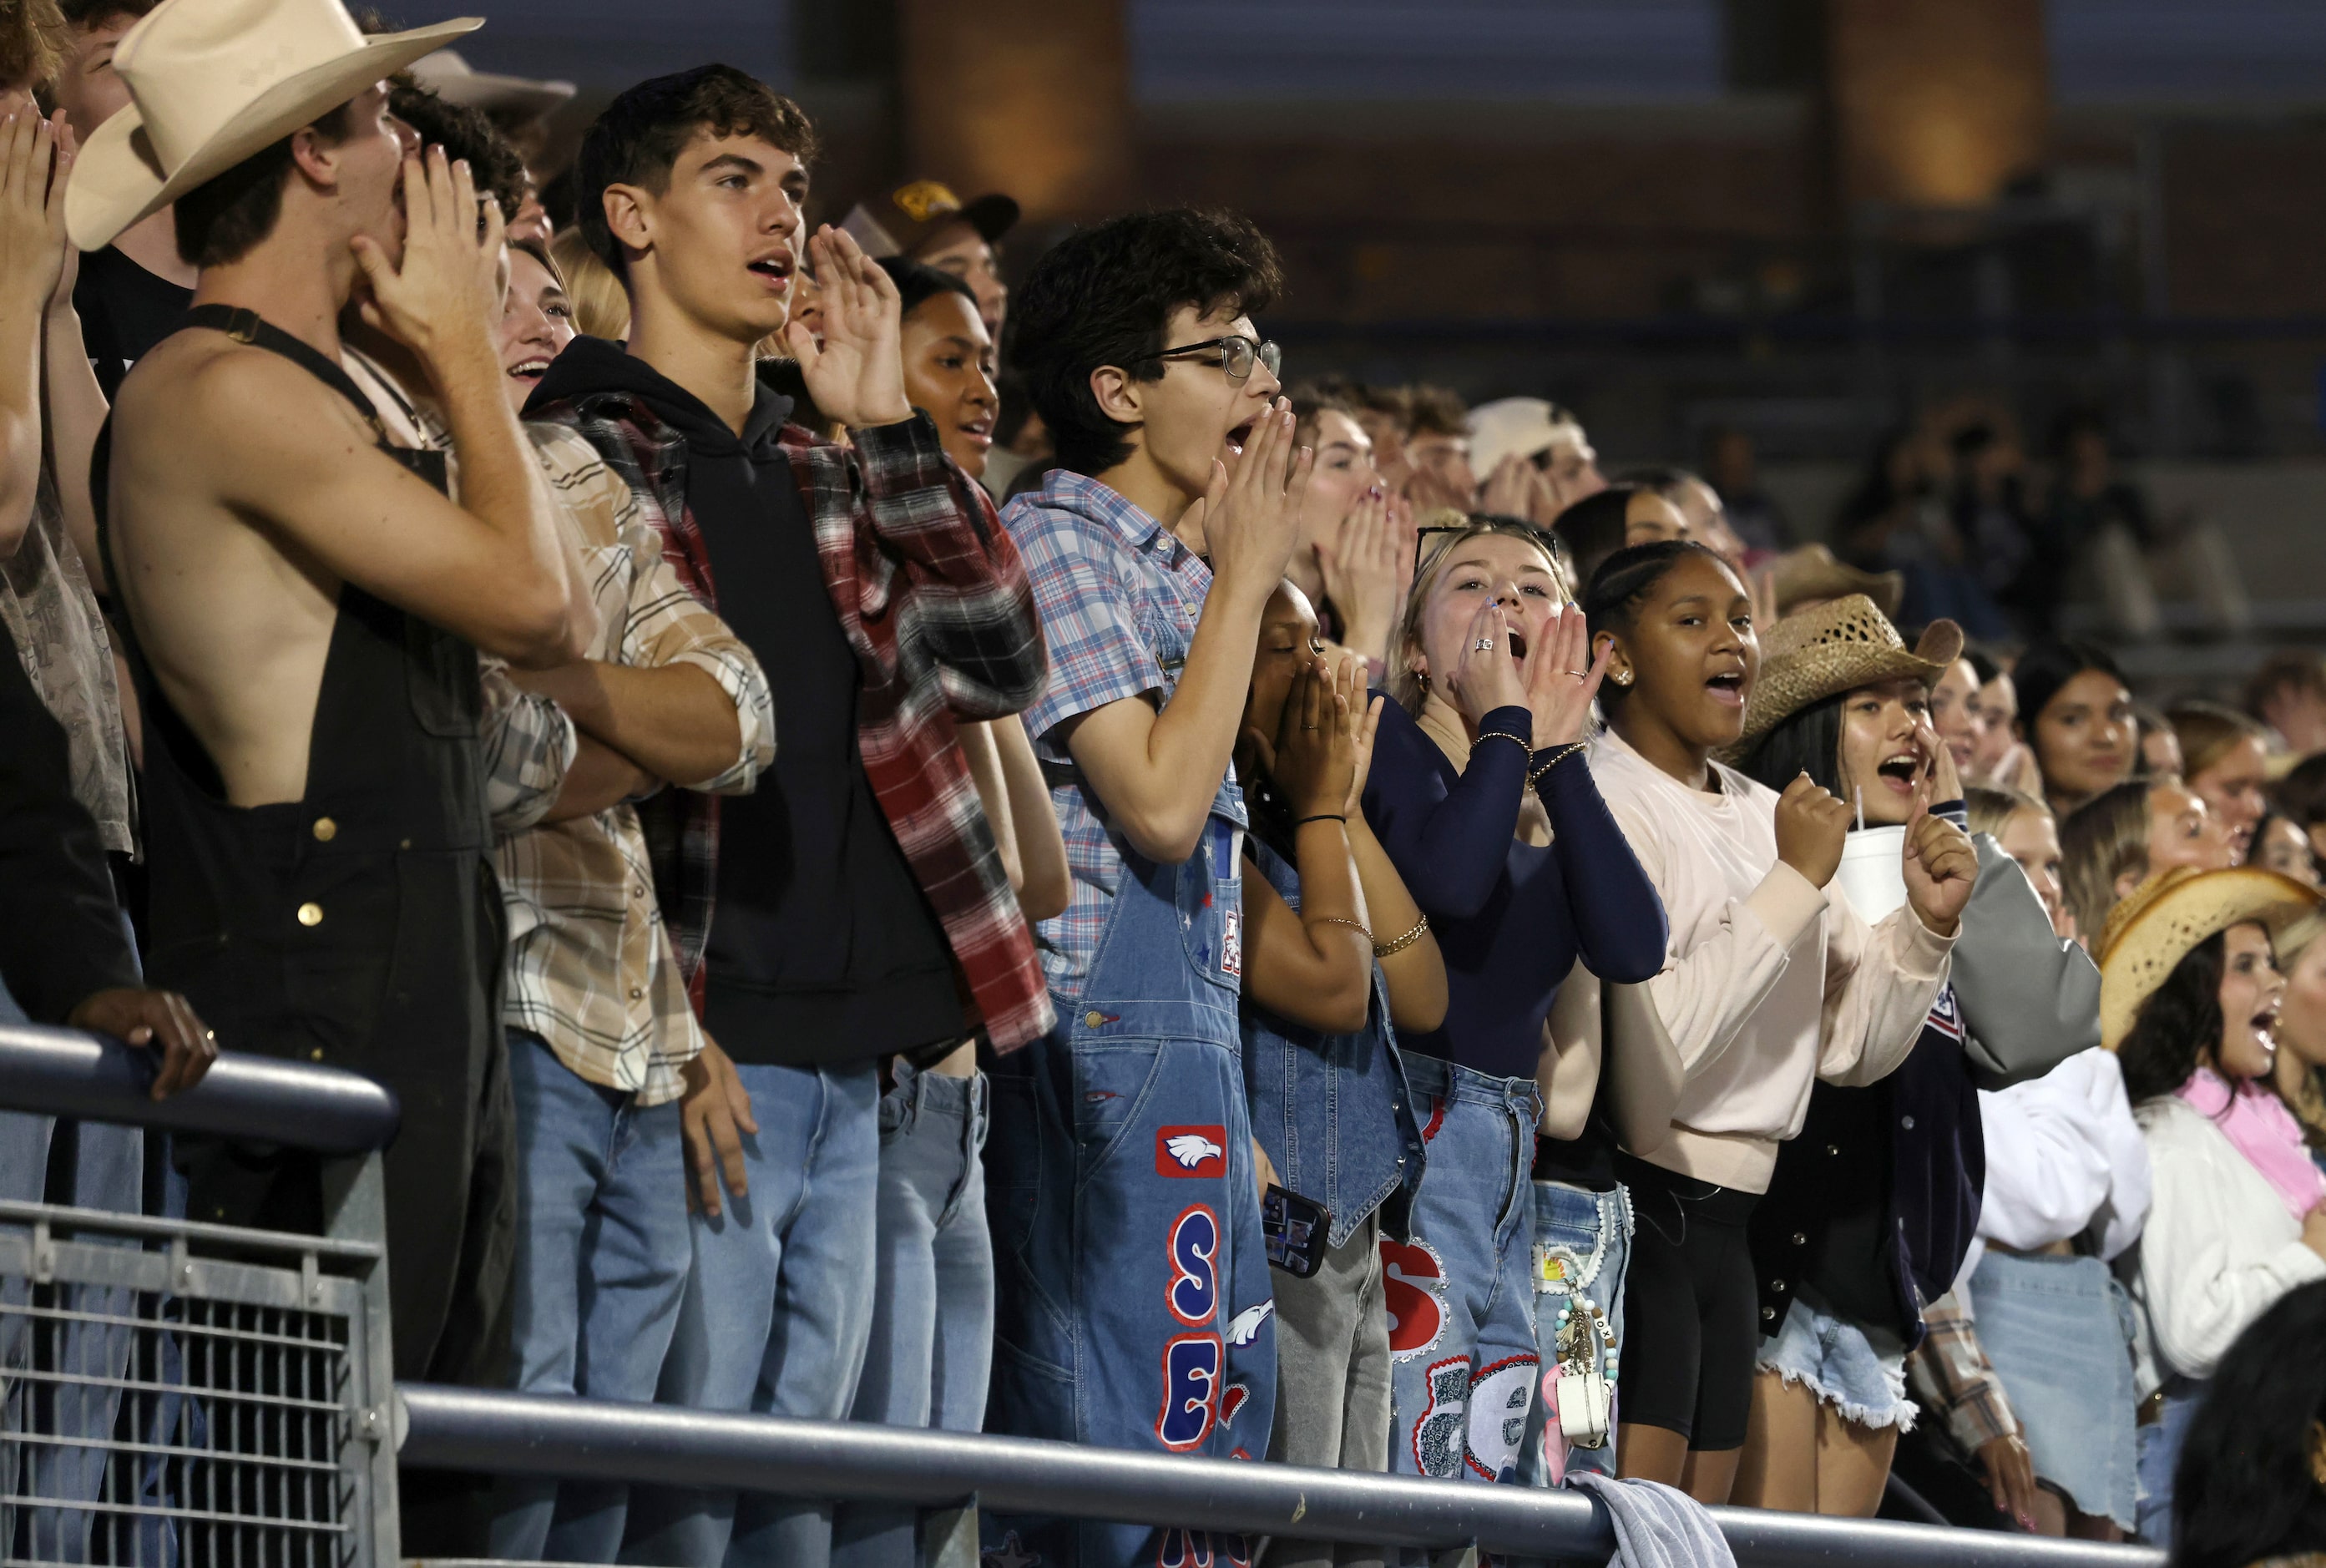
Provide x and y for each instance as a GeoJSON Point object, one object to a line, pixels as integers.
{"type": "Point", "coordinates": [591, 967]}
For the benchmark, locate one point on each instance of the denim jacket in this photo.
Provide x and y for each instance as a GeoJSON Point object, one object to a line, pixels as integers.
{"type": "Point", "coordinates": [1331, 1110]}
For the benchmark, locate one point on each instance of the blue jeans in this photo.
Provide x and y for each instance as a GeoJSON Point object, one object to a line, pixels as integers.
{"type": "Point", "coordinates": [1461, 1305]}
{"type": "Point", "coordinates": [603, 1252]}
{"type": "Point", "coordinates": [1582, 1242]}
{"type": "Point", "coordinates": [932, 1344]}
{"type": "Point", "coordinates": [778, 1310]}
{"type": "Point", "coordinates": [2160, 1456]}
{"type": "Point", "coordinates": [109, 1172]}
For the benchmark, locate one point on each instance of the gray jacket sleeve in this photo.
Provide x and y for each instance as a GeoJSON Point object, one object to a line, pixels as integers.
{"type": "Point", "coordinates": [2030, 998]}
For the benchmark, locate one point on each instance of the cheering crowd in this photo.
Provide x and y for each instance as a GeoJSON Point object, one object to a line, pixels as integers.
{"type": "Point", "coordinates": [1119, 899]}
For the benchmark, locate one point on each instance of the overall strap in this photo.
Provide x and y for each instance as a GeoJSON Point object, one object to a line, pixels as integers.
{"type": "Point", "coordinates": [246, 326]}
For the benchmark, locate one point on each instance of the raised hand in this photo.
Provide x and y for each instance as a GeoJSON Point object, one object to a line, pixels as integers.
{"type": "Point", "coordinates": [1812, 825]}
{"type": "Point", "coordinates": [445, 297]}
{"type": "Point", "coordinates": [1941, 867]}
{"type": "Point", "coordinates": [1938, 764]}
{"type": "Point", "coordinates": [1251, 515]}
{"type": "Point", "coordinates": [1484, 676]}
{"type": "Point", "coordinates": [1515, 489]}
{"type": "Point", "coordinates": [33, 244]}
{"type": "Point", "coordinates": [1365, 722]}
{"type": "Point", "coordinates": [857, 374]}
{"type": "Point", "coordinates": [1316, 756]}
{"type": "Point", "coordinates": [1562, 678]}
{"type": "Point", "coordinates": [1362, 565]}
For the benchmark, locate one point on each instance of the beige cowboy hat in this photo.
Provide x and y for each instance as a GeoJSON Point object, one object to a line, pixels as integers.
{"type": "Point", "coordinates": [518, 100]}
{"type": "Point", "coordinates": [212, 81]}
{"type": "Point", "coordinates": [2168, 915]}
{"type": "Point", "coordinates": [1834, 648]}
{"type": "Point", "coordinates": [1811, 572]}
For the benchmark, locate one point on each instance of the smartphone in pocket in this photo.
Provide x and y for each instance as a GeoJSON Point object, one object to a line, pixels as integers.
{"type": "Point", "coordinates": [1296, 1230]}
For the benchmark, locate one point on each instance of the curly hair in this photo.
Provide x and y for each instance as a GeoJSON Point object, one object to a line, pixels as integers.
{"type": "Point", "coordinates": [31, 42]}
{"type": "Point", "coordinates": [465, 132]}
{"type": "Point", "coordinates": [2177, 1027]}
{"type": "Point", "coordinates": [1105, 296]}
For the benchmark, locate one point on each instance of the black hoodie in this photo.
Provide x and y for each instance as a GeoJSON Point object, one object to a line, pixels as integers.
{"type": "Point", "coordinates": [822, 949]}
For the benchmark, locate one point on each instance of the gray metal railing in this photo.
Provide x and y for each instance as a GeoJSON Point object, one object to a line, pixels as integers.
{"type": "Point", "coordinates": [177, 1392]}
{"type": "Point", "coordinates": [586, 1440]}
{"type": "Point", "coordinates": [948, 1476]}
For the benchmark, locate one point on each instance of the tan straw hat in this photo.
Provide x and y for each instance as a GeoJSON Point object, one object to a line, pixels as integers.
{"type": "Point", "coordinates": [1812, 572]}
{"type": "Point", "coordinates": [1834, 648]}
{"type": "Point", "coordinates": [2168, 915]}
{"type": "Point", "coordinates": [212, 81]}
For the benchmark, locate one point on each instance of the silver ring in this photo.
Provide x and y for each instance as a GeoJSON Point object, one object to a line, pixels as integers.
{"type": "Point", "coordinates": [1484, 645]}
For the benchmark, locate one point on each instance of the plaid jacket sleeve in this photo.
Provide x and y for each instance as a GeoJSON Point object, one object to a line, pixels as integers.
{"type": "Point", "coordinates": [965, 605]}
{"type": "Point", "coordinates": [1952, 1372]}
{"type": "Point", "coordinates": [529, 744]}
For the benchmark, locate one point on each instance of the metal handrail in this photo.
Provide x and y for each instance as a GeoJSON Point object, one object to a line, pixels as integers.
{"type": "Point", "coordinates": [592, 1440]}
{"type": "Point", "coordinates": [65, 1072]}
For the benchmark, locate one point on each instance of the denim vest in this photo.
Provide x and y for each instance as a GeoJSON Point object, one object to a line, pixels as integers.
{"type": "Point", "coordinates": [1331, 1110]}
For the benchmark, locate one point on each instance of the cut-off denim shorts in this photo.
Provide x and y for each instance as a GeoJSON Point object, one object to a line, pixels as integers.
{"type": "Point", "coordinates": [1858, 1369]}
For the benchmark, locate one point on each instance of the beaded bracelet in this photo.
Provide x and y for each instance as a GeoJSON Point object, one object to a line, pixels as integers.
{"type": "Point", "coordinates": [1357, 926]}
{"type": "Point", "coordinates": [1383, 949]}
{"type": "Point", "coordinates": [1565, 752]}
{"type": "Point", "coordinates": [1505, 735]}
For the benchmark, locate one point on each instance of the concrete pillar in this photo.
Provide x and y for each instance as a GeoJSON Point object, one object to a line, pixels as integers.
{"type": "Point", "coordinates": [1031, 97]}
{"type": "Point", "coordinates": [1936, 102]}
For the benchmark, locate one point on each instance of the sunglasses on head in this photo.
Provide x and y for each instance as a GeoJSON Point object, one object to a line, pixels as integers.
{"type": "Point", "coordinates": [1481, 524]}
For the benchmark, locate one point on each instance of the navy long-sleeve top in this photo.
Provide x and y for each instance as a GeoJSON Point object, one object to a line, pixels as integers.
{"type": "Point", "coordinates": [1509, 917]}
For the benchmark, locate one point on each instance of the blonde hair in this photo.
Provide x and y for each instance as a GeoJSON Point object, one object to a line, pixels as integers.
{"type": "Point", "coordinates": [31, 42]}
{"type": "Point", "coordinates": [1407, 685]}
{"type": "Point", "coordinates": [601, 306]}
{"type": "Point", "coordinates": [1991, 811]}
{"type": "Point", "coordinates": [2208, 731]}
{"type": "Point", "coordinates": [2103, 840]}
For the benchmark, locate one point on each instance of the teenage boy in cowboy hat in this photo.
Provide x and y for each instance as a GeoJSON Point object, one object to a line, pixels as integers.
{"type": "Point", "coordinates": [305, 610]}
{"type": "Point", "coordinates": [862, 910]}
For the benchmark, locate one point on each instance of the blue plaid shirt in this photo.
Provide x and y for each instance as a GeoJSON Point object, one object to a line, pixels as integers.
{"type": "Point", "coordinates": [1119, 596]}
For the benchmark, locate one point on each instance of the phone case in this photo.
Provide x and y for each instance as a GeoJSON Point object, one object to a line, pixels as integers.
{"type": "Point", "coordinates": [1296, 1230]}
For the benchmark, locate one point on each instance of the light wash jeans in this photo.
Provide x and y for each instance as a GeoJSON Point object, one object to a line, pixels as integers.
{"type": "Point", "coordinates": [602, 1255]}
{"type": "Point", "coordinates": [931, 1341]}
{"type": "Point", "coordinates": [2160, 1455]}
{"type": "Point", "coordinates": [777, 1311]}
{"type": "Point", "coordinates": [1582, 1244]}
{"type": "Point", "coordinates": [109, 1172]}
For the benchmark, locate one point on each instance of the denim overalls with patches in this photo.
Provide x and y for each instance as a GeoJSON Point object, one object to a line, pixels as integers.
{"type": "Point", "coordinates": [1133, 1303]}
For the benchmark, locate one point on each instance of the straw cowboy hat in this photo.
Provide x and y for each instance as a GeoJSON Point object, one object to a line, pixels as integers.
{"type": "Point", "coordinates": [1834, 648]}
{"type": "Point", "coordinates": [1812, 572]}
{"type": "Point", "coordinates": [2168, 915]}
{"type": "Point", "coordinates": [212, 81]}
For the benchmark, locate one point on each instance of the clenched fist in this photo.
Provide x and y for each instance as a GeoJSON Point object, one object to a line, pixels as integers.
{"type": "Point", "coordinates": [1812, 824]}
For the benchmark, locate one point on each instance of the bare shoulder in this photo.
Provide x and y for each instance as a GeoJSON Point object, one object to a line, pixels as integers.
{"type": "Point", "coordinates": [203, 393]}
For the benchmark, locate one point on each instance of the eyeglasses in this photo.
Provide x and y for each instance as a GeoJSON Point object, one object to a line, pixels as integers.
{"type": "Point", "coordinates": [1481, 524]}
{"type": "Point", "coordinates": [1236, 355]}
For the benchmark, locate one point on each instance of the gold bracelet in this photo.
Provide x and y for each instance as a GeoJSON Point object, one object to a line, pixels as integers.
{"type": "Point", "coordinates": [1356, 926]}
{"type": "Point", "coordinates": [1566, 751]}
{"type": "Point", "coordinates": [1383, 949]}
{"type": "Point", "coordinates": [1503, 735]}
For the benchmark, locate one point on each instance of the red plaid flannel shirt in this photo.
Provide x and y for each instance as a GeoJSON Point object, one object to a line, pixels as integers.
{"type": "Point", "coordinates": [933, 600]}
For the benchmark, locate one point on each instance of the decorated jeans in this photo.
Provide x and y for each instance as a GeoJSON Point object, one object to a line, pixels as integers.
{"type": "Point", "coordinates": [1132, 1294]}
{"type": "Point", "coordinates": [1582, 1240]}
{"type": "Point", "coordinates": [1461, 1305]}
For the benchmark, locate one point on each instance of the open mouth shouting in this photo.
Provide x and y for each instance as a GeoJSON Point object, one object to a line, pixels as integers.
{"type": "Point", "coordinates": [775, 267]}
{"type": "Point", "coordinates": [1518, 642]}
{"type": "Point", "coordinates": [1727, 688]}
{"type": "Point", "coordinates": [530, 369]}
{"type": "Point", "coordinates": [2264, 1029]}
{"type": "Point", "coordinates": [1242, 434]}
{"type": "Point", "coordinates": [1899, 772]}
